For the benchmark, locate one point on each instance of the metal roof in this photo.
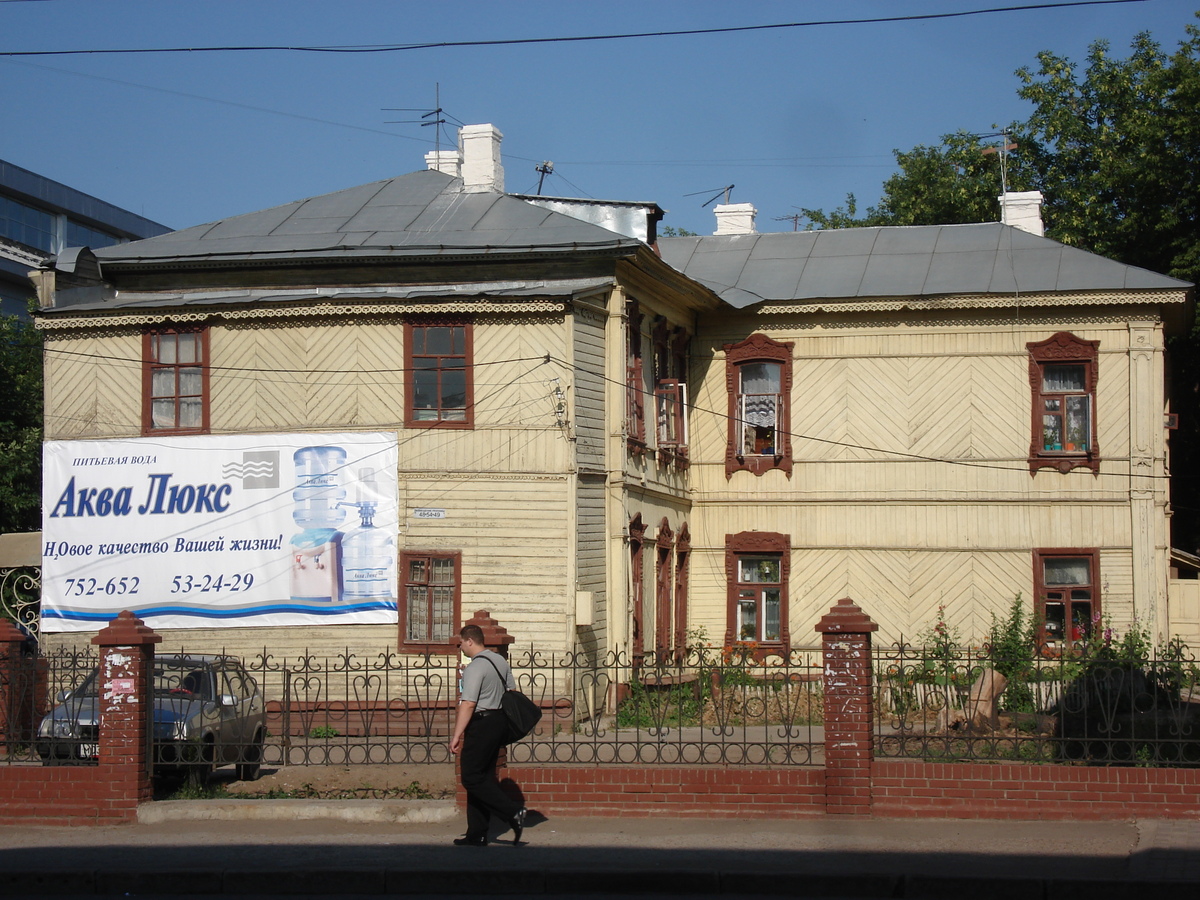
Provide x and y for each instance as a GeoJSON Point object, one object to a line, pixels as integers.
{"type": "Point", "coordinates": [419, 214]}
{"type": "Point", "coordinates": [929, 260]}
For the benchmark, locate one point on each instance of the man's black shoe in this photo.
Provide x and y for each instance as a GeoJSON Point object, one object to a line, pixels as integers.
{"type": "Point", "coordinates": [518, 824]}
{"type": "Point", "coordinates": [470, 842]}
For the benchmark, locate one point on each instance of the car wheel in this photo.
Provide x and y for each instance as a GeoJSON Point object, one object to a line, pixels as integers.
{"type": "Point", "coordinates": [251, 765]}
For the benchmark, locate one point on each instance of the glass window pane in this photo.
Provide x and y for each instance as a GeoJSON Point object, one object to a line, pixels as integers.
{"type": "Point", "coordinates": [425, 390]}
{"type": "Point", "coordinates": [443, 614]}
{"type": "Point", "coordinates": [165, 349]}
{"type": "Point", "coordinates": [454, 389]}
{"type": "Point", "coordinates": [443, 571]}
{"type": "Point", "coordinates": [1063, 378]}
{"type": "Point", "coordinates": [418, 614]}
{"type": "Point", "coordinates": [438, 340]}
{"type": "Point", "coordinates": [1056, 620]}
{"type": "Point", "coordinates": [162, 383]}
{"type": "Point", "coordinates": [1078, 426]}
{"type": "Point", "coordinates": [189, 348]}
{"type": "Point", "coordinates": [191, 382]}
{"type": "Point", "coordinates": [747, 618]}
{"type": "Point", "coordinates": [416, 570]}
{"type": "Point", "coordinates": [770, 615]}
{"type": "Point", "coordinates": [191, 414]}
{"type": "Point", "coordinates": [1067, 570]}
{"type": "Point", "coordinates": [162, 413]}
{"type": "Point", "coordinates": [760, 378]}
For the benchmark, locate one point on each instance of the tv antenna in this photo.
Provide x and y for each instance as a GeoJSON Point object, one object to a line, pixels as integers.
{"type": "Point", "coordinates": [1005, 147]}
{"type": "Point", "coordinates": [436, 117]}
{"type": "Point", "coordinates": [725, 190]}
{"type": "Point", "coordinates": [794, 218]}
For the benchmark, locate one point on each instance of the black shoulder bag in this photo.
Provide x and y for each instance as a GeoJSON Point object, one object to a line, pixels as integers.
{"type": "Point", "coordinates": [522, 713]}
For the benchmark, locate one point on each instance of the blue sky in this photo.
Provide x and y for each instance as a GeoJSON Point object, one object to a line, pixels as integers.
{"type": "Point", "coordinates": [791, 117]}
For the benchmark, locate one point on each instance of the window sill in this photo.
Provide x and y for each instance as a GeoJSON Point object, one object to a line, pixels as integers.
{"type": "Point", "coordinates": [1064, 461]}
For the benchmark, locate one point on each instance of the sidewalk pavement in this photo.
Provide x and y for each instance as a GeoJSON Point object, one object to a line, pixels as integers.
{"type": "Point", "coordinates": [340, 848]}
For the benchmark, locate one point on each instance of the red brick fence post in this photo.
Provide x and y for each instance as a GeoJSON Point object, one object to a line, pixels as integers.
{"type": "Point", "coordinates": [849, 708]}
{"type": "Point", "coordinates": [126, 663]}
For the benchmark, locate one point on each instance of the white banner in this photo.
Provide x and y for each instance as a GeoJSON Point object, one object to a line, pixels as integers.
{"type": "Point", "coordinates": [234, 530]}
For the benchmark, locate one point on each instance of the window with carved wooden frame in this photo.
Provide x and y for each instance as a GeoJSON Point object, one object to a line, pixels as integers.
{"type": "Point", "coordinates": [637, 587]}
{"type": "Point", "coordinates": [758, 381]}
{"type": "Point", "coordinates": [175, 398]}
{"type": "Point", "coordinates": [430, 600]}
{"type": "Point", "coordinates": [757, 567]}
{"type": "Point", "coordinates": [439, 364]}
{"type": "Point", "coordinates": [1066, 585]}
{"type": "Point", "coordinates": [663, 558]}
{"type": "Point", "coordinates": [1062, 377]}
{"type": "Point", "coordinates": [683, 553]}
{"type": "Point", "coordinates": [670, 393]}
{"type": "Point", "coordinates": [635, 388]}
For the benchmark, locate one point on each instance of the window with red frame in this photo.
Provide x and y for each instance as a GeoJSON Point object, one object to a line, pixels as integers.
{"type": "Point", "coordinates": [1062, 375]}
{"type": "Point", "coordinates": [430, 599]}
{"type": "Point", "coordinates": [635, 388]}
{"type": "Point", "coordinates": [758, 377]}
{"type": "Point", "coordinates": [670, 392]}
{"type": "Point", "coordinates": [1066, 584]}
{"type": "Point", "coordinates": [438, 358]}
{"type": "Point", "coordinates": [683, 552]}
{"type": "Point", "coordinates": [662, 589]}
{"type": "Point", "coordinates": [175, 380]}
{"type": "Point", "coordinates": [757, 566]}
{"type": "Point", "coordinates": [637, 540]}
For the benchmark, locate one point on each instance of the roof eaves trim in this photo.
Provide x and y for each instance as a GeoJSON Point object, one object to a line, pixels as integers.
{"type": "Point", "coordinates": [979, 301]}
{"type": "Point", "coordinates": [130, 318]}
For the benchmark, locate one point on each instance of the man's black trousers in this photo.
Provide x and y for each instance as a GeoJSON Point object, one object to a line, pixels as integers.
{"type": "Point", "coordinates": [481, 745]}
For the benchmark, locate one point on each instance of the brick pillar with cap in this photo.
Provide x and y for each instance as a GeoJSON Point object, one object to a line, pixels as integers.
{"type": "Point", "coordinates": [849, 708]}
{"type": "Point", "coordinates": [126, 663]}
{"type": "Point", "coordinates": [14, 696]}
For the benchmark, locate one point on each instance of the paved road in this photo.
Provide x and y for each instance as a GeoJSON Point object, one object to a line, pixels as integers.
{"type": "Point", "coordinates": [406, 849]}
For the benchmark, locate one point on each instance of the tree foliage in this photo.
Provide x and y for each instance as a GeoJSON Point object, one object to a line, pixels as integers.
{"type": "Point", "coordinates": [1114, 146]}
{"type": "Point", "coordinates": [20, 426]}
{"type": "Point", "coordinates": [951, 184]}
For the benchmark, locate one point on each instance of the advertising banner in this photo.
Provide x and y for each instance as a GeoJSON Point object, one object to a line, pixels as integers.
{"type": "Point", "coordinates": [232, 530]}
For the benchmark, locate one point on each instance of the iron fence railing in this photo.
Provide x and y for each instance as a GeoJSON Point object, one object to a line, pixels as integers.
{"type": "Point", "coordinates": [1091, 704]}
{"type": "Point", "coordinates": [702, 708]}
{"type": "Point", "coordinates": [31, 686]}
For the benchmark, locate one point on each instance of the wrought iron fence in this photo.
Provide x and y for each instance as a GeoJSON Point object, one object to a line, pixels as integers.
{"type": "Point", "coordinates": [1091, 704]}
{"type": "Point", "coordinates": [20, 597]}
{"type": "Point", "coordinates": [39, 720]}
{"type": "Point", "coordinates": [703, 708]}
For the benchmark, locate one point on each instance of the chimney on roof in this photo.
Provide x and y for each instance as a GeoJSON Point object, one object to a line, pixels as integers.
{"type": "Point", "coordinates": [479, 148]}
{"type": "Point", "coordinates": [447, 162]}
{"type": "Point", "coordinates": [1023, 210]}
{"type": "Point", "coordinates": [735, 218]}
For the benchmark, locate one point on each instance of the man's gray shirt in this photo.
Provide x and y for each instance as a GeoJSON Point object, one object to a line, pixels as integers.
{"type": "Point", "coordinates": [481, 683]}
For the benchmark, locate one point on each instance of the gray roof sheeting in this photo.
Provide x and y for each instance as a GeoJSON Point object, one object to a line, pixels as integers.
{"type": "Point", "coordinates": [422, 213]}
{"type": "Point", "coordinates": [933, 260]}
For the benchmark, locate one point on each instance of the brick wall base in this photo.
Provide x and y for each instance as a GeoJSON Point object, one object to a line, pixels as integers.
{"type": "Point", "coordinates": [1012, 791]}
{"type": "Point", "coordinates": [900, 789]}
{"type": "Point", "coordinates": [68, 795]}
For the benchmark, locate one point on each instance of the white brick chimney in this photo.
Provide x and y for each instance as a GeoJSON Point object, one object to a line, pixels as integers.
{"type": "Point", "coordinates": [1023, 210]}
{"type": "Point", "coordinates": [446, 161]}
{"type": "Point", "coordinates": [735, 218]}
{"type": "Point", "coordinates": [479, 147]}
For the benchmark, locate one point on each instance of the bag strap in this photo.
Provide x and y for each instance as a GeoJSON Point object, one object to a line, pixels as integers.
{"type": "Point", "coordinates": [503, 680]}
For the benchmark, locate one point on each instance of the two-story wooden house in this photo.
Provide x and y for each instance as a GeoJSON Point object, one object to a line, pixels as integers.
{"type": "Point", "coordinates": [623, 438]}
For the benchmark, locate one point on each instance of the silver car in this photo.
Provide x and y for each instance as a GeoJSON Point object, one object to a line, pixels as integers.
{"type": "Point", "coordinates": [207, 712]}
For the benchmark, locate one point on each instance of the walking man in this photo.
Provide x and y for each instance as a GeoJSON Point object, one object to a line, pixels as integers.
{"type": "Point", "coordinates": [478, 736]}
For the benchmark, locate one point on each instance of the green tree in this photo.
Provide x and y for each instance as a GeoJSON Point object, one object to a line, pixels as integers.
{"type": "Point", "coordinates": [954, 183]}
{"type": "Point", "coordinates": [20, 426]}
{"type": "Point", "coordinates": [1115, 149]}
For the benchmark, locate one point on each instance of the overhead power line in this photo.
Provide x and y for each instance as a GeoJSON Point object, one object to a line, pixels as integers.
{"type": "Point", "coordinates": [435, 45]}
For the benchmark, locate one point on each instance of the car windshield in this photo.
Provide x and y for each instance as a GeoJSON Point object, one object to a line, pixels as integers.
{"type": "Point", "coordinates": [187, 678]}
